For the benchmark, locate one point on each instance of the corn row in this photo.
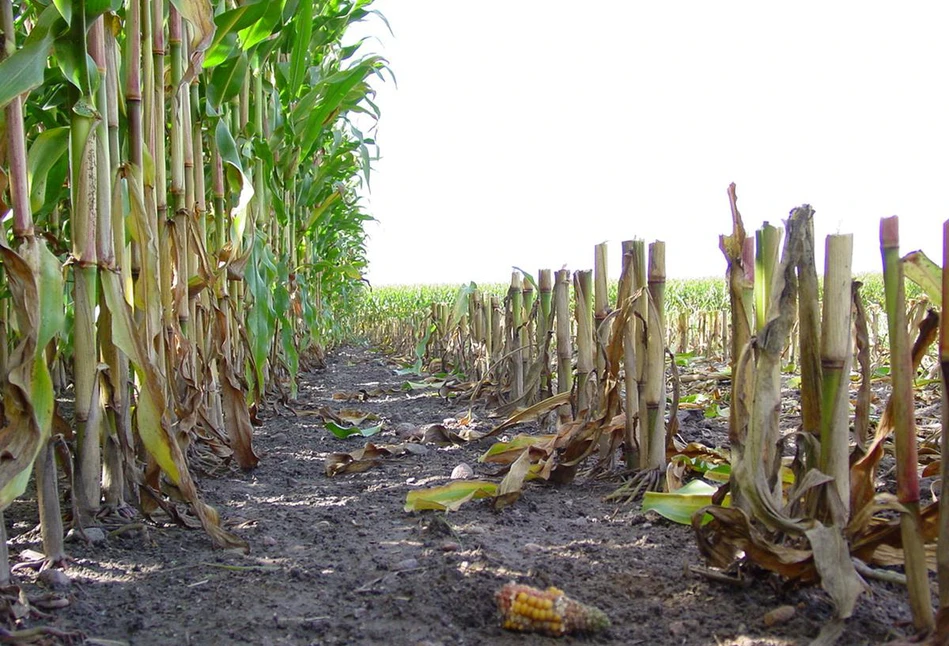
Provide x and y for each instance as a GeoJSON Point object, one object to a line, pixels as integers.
{"type": "Point", "coordinates": [549, 612]}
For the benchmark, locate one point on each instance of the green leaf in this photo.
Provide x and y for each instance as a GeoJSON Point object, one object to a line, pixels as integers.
{"type": "Point", "coordinates": [47, 150]}
{"type": "Point", "coordinates": [924, 272]}
{"type": "Point", "coordinates": [713, 411]}
{"type": "Point", "coordinates": [300, 56]}
{"type": "Point", "coordinates": [24, 70]}
{"type": "Point", "coordinates": [261, 321]}
{"type": "Point", "coordinates": [460, 307]}
{"type": "Point", "coordinates": [343, 432]}
{"type": "Point", "coordinates": [238, 181]}
{"type": "Point", "coordinates": [227, 79]}
{"type": "Point", "coordinates": [95, 8]}
{"type": "Point", "coordinates": [331, 94]}
{"type": "Point", "coordinates": [228, 24]}
{"type": "Point", "coordinates": [64, 7]}
{"type": "Point", "coordinates": [449, 497]}
{"type": "Point", "coordinates": [263, 28]}
{"type": "Point", "coordinates": [76, 64]}
{"type": "Point", "coordinates": [52, 308]}
{"type": "Point", "coordinates": [680, 505]}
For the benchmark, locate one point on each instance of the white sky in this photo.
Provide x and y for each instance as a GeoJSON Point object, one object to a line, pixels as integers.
{"type": "Point", "coordinates": [524, 133]}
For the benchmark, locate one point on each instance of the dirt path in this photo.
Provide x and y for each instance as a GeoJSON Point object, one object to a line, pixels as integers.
{"type": "Point", "coordinates": [338, 561]}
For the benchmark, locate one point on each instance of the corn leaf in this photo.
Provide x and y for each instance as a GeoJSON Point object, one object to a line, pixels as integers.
{"type": "Point", "coordinates": [238, 181]}
{"type": "Point", "coordinates": [200, 14]}
{"type": "Point", "coordinates": [25, 69]}
{"type": "Point", "coordinates": [924, 272]}
{"type": "Point", "coordinates": [343, 432]}
{"type": "Point", "coordinates": [227, 79]}
{"type": "Point", "coordinates": [47, 151]}
{"type": "Point", "coordinates": [36, 287]}
{"type": "Point", "coordinates": [227, 25]}
{"type": "Point", "coordinates": [300, 56]}
{"type": "Point", "coordinates": [680, 505]}
{"type": "Point", "coordinates": [508, 452]}
{"type": "Point", "coordinates": [154, 427]}
{"type": "Point", "coordinates": [359, 460]}
{"type": "Point", "coordinates": [510, 489]}
{"type": "Point", "coordinates": [449, 497]}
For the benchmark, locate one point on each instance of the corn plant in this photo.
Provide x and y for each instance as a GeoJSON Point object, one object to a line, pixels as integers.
{"type": "Point", "coordinates": [209, 220]}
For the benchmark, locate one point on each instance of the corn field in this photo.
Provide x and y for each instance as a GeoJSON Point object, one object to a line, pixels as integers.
{"type": "Point", "coordinates": [597, 367]}
{"type": "Point", "coordinates": [183, 235]}
{"type": "Point", "coordinates": [179, 183]}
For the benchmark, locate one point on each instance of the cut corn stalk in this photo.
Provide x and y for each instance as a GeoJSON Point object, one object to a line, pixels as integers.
{"type": "Point", "coordinates": [564, 345]}
{"type": "Point", "coordinates": [835, 362]}
{"type": "Point", "coordinates": [583, 310]}
{"type": "Point", "coordinates": [654, 445]}
{"type": "Point", "coordinates": [625, 291]}
{"type": "Point", "coordinates": [907, 479]}
{"type": "Point", "coordinates": [601, 309]}
{"type": "Point", "coordinates": [942, 550]}
{"type": "Point", "coordinates": [548, 612]}
{"type": "Point", "coordinates": [767, 247]}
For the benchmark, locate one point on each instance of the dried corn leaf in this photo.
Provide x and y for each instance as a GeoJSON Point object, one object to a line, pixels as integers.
{"type": "Point", "coordinates": [924, 272]}
{"type": "Point", "coordinates": [532, 412]}
{"type": "Point", "coordinates": [35, 283]}
{"type": "Point", "coordinates": [449, 497]}
{"type": "Point", "coordinates": [510, 489]}
{"type": "Point", "coordinates": [359, 460]}
{"type": "Point", "coordinates": [508, 452]}
{"type": "Point", "coordinates": [154, 426]}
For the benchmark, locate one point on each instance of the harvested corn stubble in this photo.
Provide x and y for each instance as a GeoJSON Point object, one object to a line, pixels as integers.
{"type": "Point", "coordinates": [549, 612]}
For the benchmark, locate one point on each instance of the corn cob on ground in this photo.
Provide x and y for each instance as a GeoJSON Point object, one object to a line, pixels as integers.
{"type": "Point", "coordinates": [549, 612]}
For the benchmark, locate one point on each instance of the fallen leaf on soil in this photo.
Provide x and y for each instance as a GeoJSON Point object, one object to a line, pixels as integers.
{"type": "Point", "coordinates": [680, 505]}
{"type": "Point", "coordinates": [356, 417]}
{"type": "Point", "coordinates": [443, 436]}
{"type": "Point", "coordinates": [510, 489]}
{"type": "Point", "coordinates": [508, 452]}
{"type": "Point", "coordinates": [449, 497]}
{"type": "Point", "coordinates": [359, 395]}
{"type": "Point", "coordinates": [342, 432]}
{"type": "Point", "coordinates": [356, 461]}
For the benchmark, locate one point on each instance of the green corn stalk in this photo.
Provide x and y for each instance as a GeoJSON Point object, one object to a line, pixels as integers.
{"type": "Point", "coordinates": [904, 424]}
{"type": "Point", "coordinates": [836, 356]}
{"type": "Point", "coordinates": [809, 341]}
{"type": "Point", "coordinates": [35, 283]}
{"type": "Point", "coordinates": [655, 373]}
{"type": "Point", "coordinates": [767, 244]}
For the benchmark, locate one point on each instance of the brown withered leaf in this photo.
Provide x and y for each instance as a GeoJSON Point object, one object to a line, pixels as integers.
{"type": "Point", "coordinates": [361, 459]}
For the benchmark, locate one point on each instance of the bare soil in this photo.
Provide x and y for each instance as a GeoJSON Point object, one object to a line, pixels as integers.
{"type": "Point", "coordinates": [338, 560]}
